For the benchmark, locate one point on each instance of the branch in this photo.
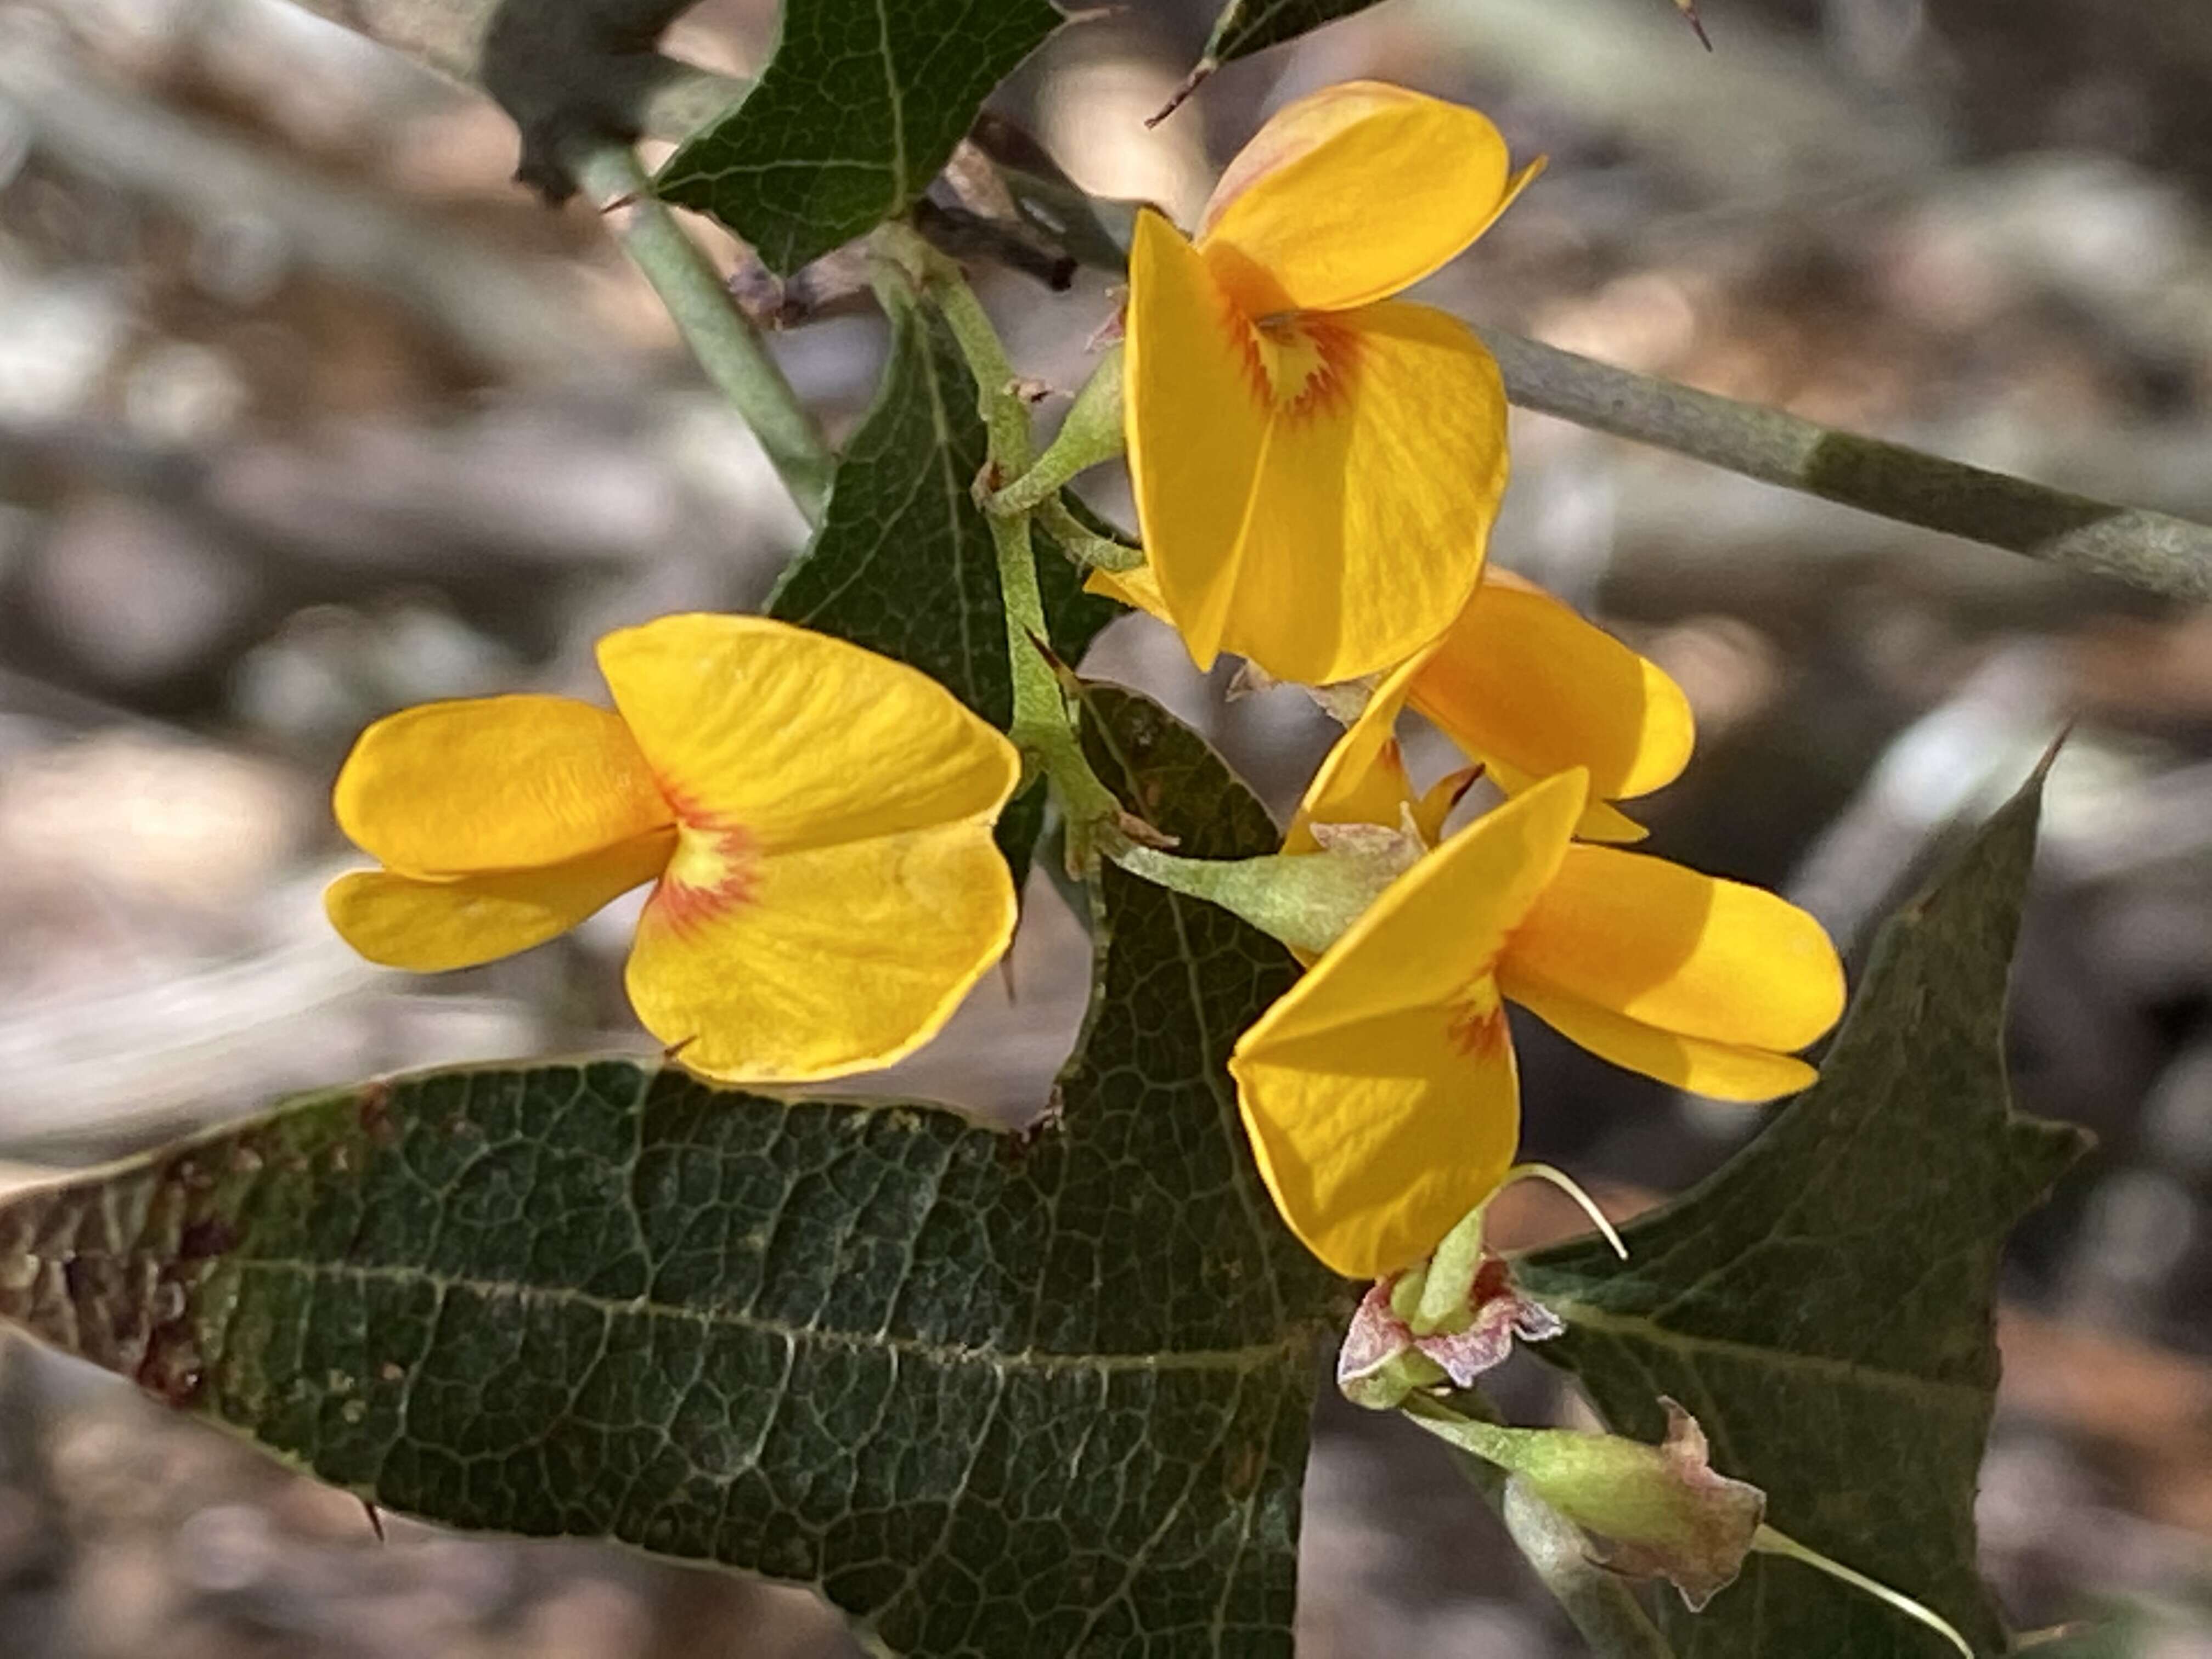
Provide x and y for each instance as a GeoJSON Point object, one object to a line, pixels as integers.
{"type": "Point", "coordinates": [726, 345]}
{"type": "Point", "coordinates": [2146, 549]}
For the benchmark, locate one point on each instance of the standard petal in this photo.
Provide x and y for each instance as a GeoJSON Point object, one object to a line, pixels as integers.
{"type": "Point", "coordinates": [1722, 1071]}
{"type": "Point", "coordinates": [1349, 195]}
{"type": "Point", "coordinates": [1375, 1141]}
{"type": "Point", "coordinates": [1383, 471]}
{"type": "Point", "coordinates": [430, 926]}
{"type": "Point", "coordinates": [824, 962]}
{"type": "Point", "coordinates": [793, 739]}
{"type": "Point", "coordinates": [495, 783]}
{"type": "Point", "coordinates": [1195, 411]}
{"type": "Point", "coordinates": [1521, 679]}
{"type": "Point", "coordinates": [1362, 779]}
{"type": "Point", "coordinates": [1682, 951]}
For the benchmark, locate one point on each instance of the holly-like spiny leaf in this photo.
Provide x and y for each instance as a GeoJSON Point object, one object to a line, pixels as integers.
{"type": "Point", "coordinates": [859, 109]}
{"type": "Point", "coordinates": [904, 562]}
{"type": "Point", "coordinates": [1018, 1395]}
{"type": "Point", "coordinates": [1824, 1303]}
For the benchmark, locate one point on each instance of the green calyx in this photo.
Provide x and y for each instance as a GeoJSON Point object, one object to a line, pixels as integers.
{"type": "Point", "coordinates": [1092, 433]}
{"type": "Point", "coordinates": [1307, 899]}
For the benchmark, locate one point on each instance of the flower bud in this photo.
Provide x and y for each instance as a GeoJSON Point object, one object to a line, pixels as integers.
{"type": "Point", "coordinates": [1650, 1511]}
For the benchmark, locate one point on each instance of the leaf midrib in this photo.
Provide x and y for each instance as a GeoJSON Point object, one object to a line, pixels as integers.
{"type": "Point", "coordinates": [1251, 1358]}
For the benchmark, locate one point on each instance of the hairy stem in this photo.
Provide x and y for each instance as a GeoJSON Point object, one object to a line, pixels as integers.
{"type": "Point", "coordinates": [2146, 549]}
{"type": "Point", "coordinates": [725, 344]}
{"type": "Point", "coordinates": [1043, 728]}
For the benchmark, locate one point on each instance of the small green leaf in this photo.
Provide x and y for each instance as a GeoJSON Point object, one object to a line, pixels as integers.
{"type": "Point", "coordinates": [1824, 1303]}
{"type": "Point", "coordinates": [859, 109]}
{"type": "Point", "coordinates": [993, 1394]}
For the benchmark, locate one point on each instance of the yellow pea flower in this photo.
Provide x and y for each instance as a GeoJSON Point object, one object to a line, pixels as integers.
{"type": "Point", "coordinates": [1380, 1092]}
{"type": "Point", "coordinates": [1316, 466]}
{"type": "Point", "coordinates": [816, 818]}
{"type": "Point", "coordinates": [1526, 687]}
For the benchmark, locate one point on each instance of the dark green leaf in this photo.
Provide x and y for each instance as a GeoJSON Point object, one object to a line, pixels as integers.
{"type": "Point", "coordinates": [996, 1395]}
{"type": "Point", "coordinates": [856, 113]}
{"type": "Point", "coordinates": [904, 563]}
{"type": "Point", "coordinates": [1243, 26]}
{"type": "Point", "coordinates": [1824, 1303]}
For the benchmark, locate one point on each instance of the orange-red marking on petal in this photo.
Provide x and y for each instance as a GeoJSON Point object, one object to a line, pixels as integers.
{"type": "Point", "coordinates": [715, 869]}
{"type": "Point", "coordinates": [1478, 1026]}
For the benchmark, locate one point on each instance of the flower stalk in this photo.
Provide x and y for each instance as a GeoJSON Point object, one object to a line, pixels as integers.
{"type": "Point", "coordinates": [1043, 727]}
{"type": "Point", "coordinates": [1084, 544]}
{"type": "Point", "coordinates": [1091, 433]}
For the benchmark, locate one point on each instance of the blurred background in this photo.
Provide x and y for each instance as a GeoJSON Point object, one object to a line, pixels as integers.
{"type": "Point", "coordinates": [307, 413]}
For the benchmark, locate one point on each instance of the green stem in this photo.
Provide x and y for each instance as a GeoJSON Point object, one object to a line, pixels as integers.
{"type": "Point", "coordinates": [1084, 545]}
{"type": "Point", "coordinates": [1767, 1541]}
{"type": "Point", "coordinates": [2146, 549]}
{"type": "Point", "coordinates": [1091, 433]}
{"type": "Point", "coordinates": [1450, 1282]}
{"type": "Point", "coordinates": [1043, 726]}
{"type": "Point", "coordinates": [725, 344]}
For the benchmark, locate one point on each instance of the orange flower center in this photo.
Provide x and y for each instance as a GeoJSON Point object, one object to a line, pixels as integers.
{"type": "Point", "coordinates": [1478, 1019]}
{"type": "Point", "coordinates": [1300, 364]}
{"type": "Point", "coordinates": [715, 868]}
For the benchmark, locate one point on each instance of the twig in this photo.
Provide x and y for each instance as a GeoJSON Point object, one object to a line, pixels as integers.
{"type": "Point", "coordinates": [728, 346]}
{"type": "Point", "coordinates": [2150, 550]}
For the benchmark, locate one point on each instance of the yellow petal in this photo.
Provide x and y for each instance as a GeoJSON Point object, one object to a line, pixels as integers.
{"type": "Point", "coordinates": [1521, 679]}
{"type": "Point", "coordinates": [429, 927]}
{"type": "Point", "coordinates": [1680, 951]}
{"type": "Point", "coordinates": [1349, 195]}
{"type": "Point", "coordinates": [1195, 421]}
{"type": "Point", "coordinates": [1437, 802]}
{"type": "Point", "coordinates": [1372, 504]}
{"type": "Point", "coordinates": [1135, 588]}
{"type": "Point", "coordinates": [495, 783]}
{"type": "Point", "coordinates": [1374, 1145]}
{"type": "Point", "coordinates": [796, 740]}
{"type": "Point", "coordinates": [1721, 1070]}
{"type": "Point", "coordinates": [819, 963]}
{"type": "Point", "coordinates": [1602, 821]}
{"type": "Point", "coordinates": [1379, 1090]}
{"type": "Point", "coordinates": [1362, 779]}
